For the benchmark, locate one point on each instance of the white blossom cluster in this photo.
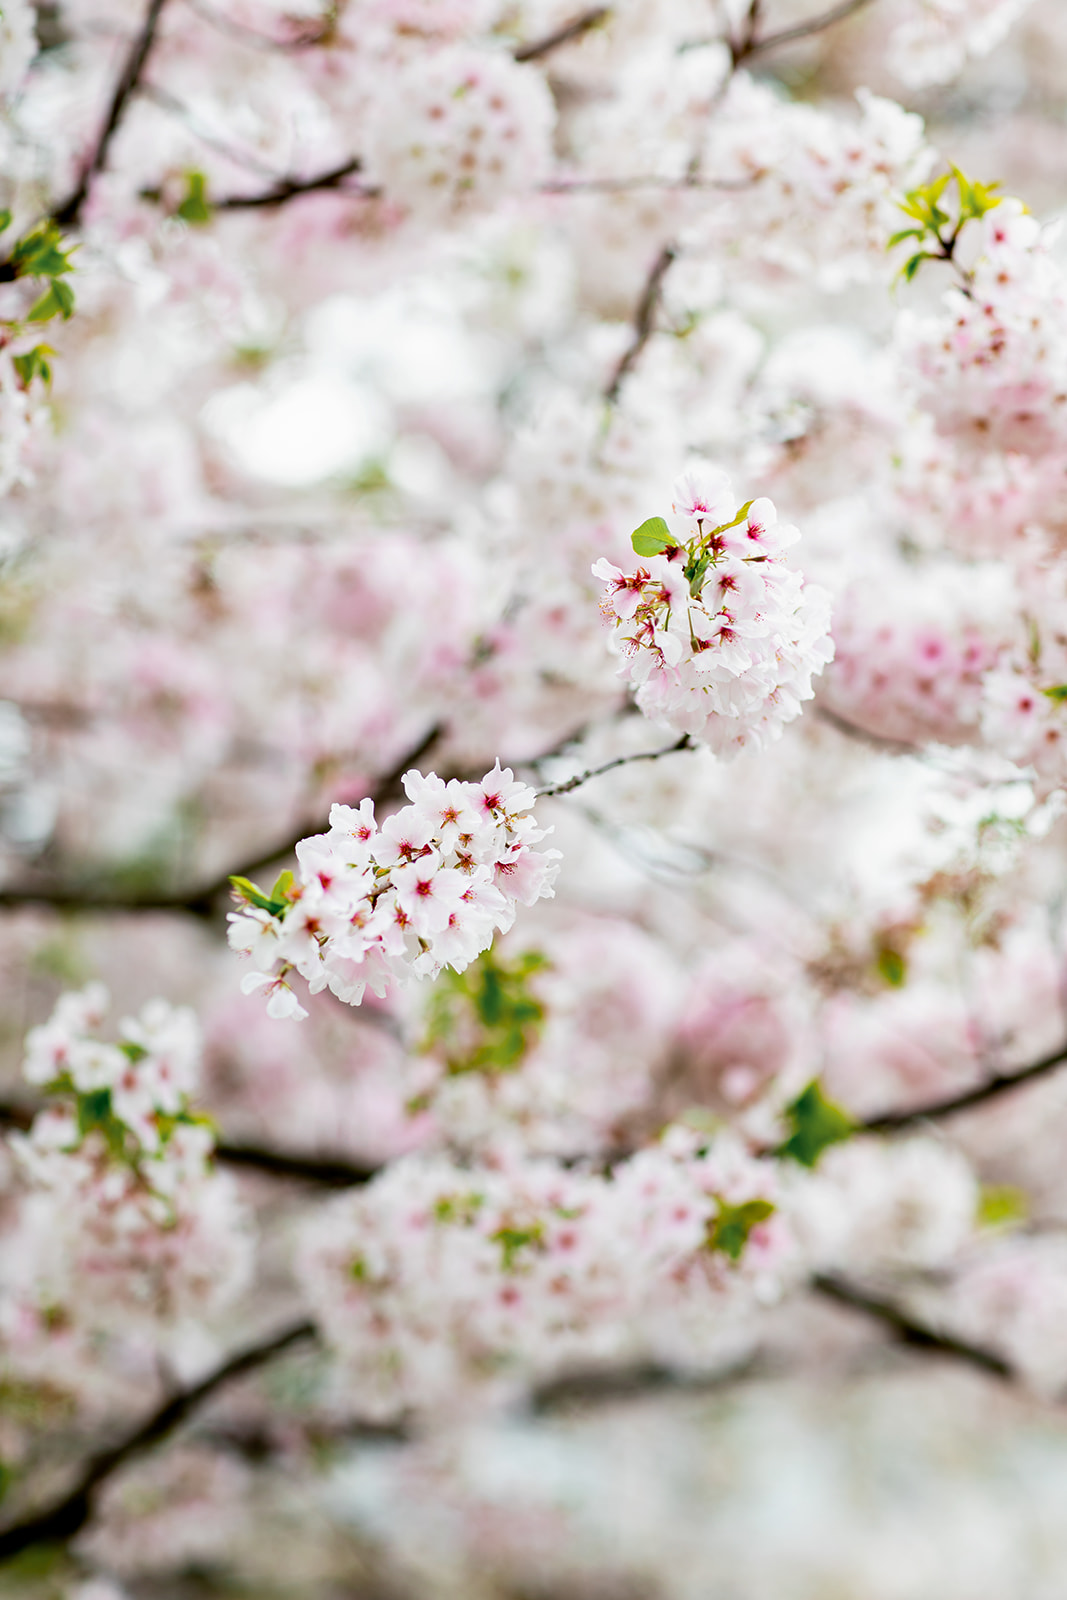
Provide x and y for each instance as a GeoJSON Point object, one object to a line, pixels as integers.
{"type": "Point", "coordinates": [719, 636]}
{"type": "Point", "coordinates": [991, 368]}
{"type": "Point", "coordinates": [933, 40]}
{"type": "Point", "coordinates": [475, 128]}
{"type": "Point", "coordinates": [815, 189]}
{"type": "Point", "coordinates": [125, 1219]}
{"type": "Point", "coordinates": [373, 905]}
{"type": "Point", "coordinates": [437, 1277]}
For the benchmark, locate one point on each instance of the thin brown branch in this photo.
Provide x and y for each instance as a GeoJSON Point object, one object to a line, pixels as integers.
{"type": "Point", "coordinates": [684, 743]}
{"type": "Point", "coordinates": [66, 1516]}
{"type": "Point", "coordinates": [651, 180]}
{"type": "Point", "coordinates": [845, 1293]}
{"type": "Point", "coordinates": [130, 76]}
{"type": "Point", "coordinates": [331, 1172]}
{"type": "Point", "coordinates": [992, 1089]}
{"type": "Point", "coordinates": [644, 319]}
{"type": "Point", "coordinates": [537, 49]}
{"type": "Point", "coordinates": [853, 730]}
{"type": "Point", "coordinates": [315, 33]}
{"type": "Point", "coordinates": [752, 46]}
{"type": "Point", "coordinates": [287, 188]}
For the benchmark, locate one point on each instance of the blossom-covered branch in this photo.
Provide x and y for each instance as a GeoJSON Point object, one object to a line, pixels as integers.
{"type": "Point", "coordinates": [643, 321]}
{"type": "Point", "coordinates": [578, 25]}
{"type": "Point", "coordinates": [753, 43]}
{"type": "Point", "coordinates": [992, 1089]}
{"type": "Point", "coordinates": [202, 901]}
{"type": "Point", "coordinates": [565, 787]}
{"type": "Point", "coordinates": [913, 1332]}
{"type": "Point", "coordinates": [68, 1515]}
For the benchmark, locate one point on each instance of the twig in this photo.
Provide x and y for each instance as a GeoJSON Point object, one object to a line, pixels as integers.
{"type": "Point", "coordinates": [651, 180]}
{"type": "Point", "coordinates": [623, 1383]}
{"type": "Point", "coordinates": [201, 902]}
{"type": "Point", "coordinates": [684, 743]}
{"type": "Point", "coordinates": [853, 730]}
{"type": "Point", "coordinates": [332, 1172]}
{"type": "Point", "coordinates": [752, 46]}
{"type": "Point", "coordinates": [68, 1515]}
{"type": "Point", "coordinates": [574, 29]}
{"type": "Point", "coordinates": [992, 1089]}
{"type": "Point", "coordinates": [261, 41]}
{"type": "Point", "coordinates": [286, 188]}
{"type": "Point", "coordinates": [644, 317]}
{"type": "Point", "coordinates": [743, 47]}
{"type": "Point", "coordinates": [68, 213]}
{"type": "Point", "coordinates": [906, 1328]}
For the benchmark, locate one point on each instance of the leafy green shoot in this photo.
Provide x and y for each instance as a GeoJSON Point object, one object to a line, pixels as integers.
{"type": "Point", "coordinates": [814, 1123]}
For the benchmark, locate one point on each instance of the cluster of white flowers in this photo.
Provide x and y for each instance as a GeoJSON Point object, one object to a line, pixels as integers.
{"type": "Point", "coordinates": [934, 39]}
{"type": "Point", "coordinates": [815, 189]}
{"type": "Point", "coordinates": [124, 1218]}
{"type": "Point", "coordinates": [426, 890]}
{"type": "Point", "coordinates": [718, 634]}
{"type": "Point", "coordinates": [1024, 719]}
{"type": "Point", "coordinates": [475, 128]}
{"type": "Point", "coordinates": [991, 369]}
{"type": "Point", "coordinates": [438, 1274]}
{"type": "Point", "coordinates": [909, 660]}
{"type": "Point", "coordinates": [876, 1207]}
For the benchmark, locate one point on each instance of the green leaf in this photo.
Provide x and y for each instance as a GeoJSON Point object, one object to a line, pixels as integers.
{"type": "Point", "coordinates": [94, 1109]}
{"type": "Point", "coordinates": [905, 233]}
{"type": "Point", "coordinates": [1001, 1204]}
{"type": "Point", "coordinates": [5, 219]}
{"type": "Point", "coordinates": [729, 1230]}
{"type": "Point", "coordinates": [910, 268]}
{"type": "Point", "coordinates": [460, 1207]}
{"type": "Point", "coordinates": [195, 207]}
{"type": "Point", "coordinates": [512, 1240]}
{"type": "Point", "coordinates": [1057, 692]}
{"type": "Point", "coordinates": [652, 538]}
{"type": "Point", "coordinates": [282, 885]}
{"type": "Point", "coordinates": [132, 1051]}
{"type": "Point", "coordinates": [741, 515]}
{"type": "Point", "coordinates": [892, 967]}
{"type": "Point", "coordinates": [57, 300]}
{"type": "Point", "coordinates": [815, 1123]}
{"type": "Point", "coordinates": [487, 1018]}
{"type": "Point", "coordinates": [34, 364]}
{"type": "Point", "coordinates": [254, 896]}
{"type": "Point", "coordinates": [41, 253]}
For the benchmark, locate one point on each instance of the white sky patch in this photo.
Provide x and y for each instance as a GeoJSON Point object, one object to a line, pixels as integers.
{"type": "Point", "coordinates": [414, 347]}
{"type": "Point", "coordinates": [313, 428]}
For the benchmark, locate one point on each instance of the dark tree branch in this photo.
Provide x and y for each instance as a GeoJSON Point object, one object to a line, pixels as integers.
{"type": "Point", "coordinates": [684, 743]}
{"type": "Point", "coordinates": [69, 1514]}
{"type": "Point", "coordinates": [286, 188]}
{"type": "Point", "coordinates": [992, 1089]}
{"type": "Point", "coordinates": [844, 1293]}
{"type": "Point", "coordinates": [305, 40]}
{"type": "Point", "coordinates": [750, 45]}
{"type": "Point", "coordinates": [203, 901]}
{"type": "Point", "coordinates": [644, 318]}
{"type": "Point", "coordinates": [68, 213]}
{"type": "Point", "coordinates": [574, 29]}
{"type": "Point", "coordinates": [331, 1172]}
